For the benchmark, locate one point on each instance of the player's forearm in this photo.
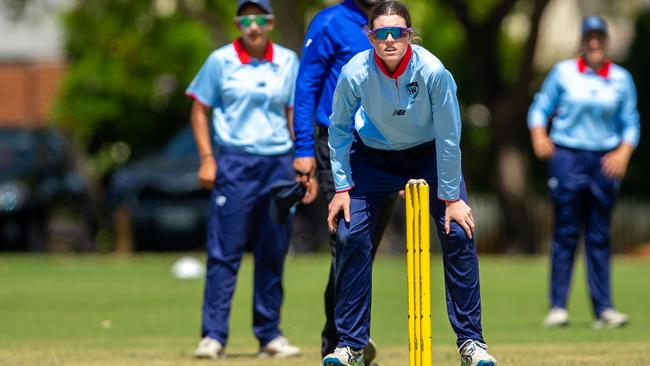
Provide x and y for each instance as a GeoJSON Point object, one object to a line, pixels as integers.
{"type": "Point", "coordinates": [302, 124]}
{"type": "Point", "coordinates": [200, 128]}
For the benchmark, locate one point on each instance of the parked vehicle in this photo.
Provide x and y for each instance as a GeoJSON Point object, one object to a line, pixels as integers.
{"type": "Point", "coordinates": [45, 202]}
{"type": "Point", "coordinates": [157, 203]}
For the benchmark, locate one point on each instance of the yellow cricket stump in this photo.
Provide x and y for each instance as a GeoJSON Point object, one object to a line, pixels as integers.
{"type": "Point", "coordinates": [418, 269]}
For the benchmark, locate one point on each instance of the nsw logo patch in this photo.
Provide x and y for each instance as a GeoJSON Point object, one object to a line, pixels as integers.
{"type": "Point", "coordinates": [413, 89]}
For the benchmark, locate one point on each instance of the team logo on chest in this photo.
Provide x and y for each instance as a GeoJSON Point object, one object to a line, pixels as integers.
{"type": "Point", "coordinates": [413, 89]}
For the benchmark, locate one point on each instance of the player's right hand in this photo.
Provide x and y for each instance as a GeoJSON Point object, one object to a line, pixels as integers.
{"type": "Point", "coordinates": [340, 201]}
{"type": "Point", "coordinates": [207, 172]}
{"type": "Point", "coordinates": [543, 146]}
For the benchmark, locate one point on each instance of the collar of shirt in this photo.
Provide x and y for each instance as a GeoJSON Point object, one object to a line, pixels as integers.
{"type": "Point", "coordinates": [358, 15]}
{"type": "Point", "coordinates": [246, 58]}
{"type": "Point", "coordinates": [404, 62]}
{"type": "Point", "coordinates": [603, 71]}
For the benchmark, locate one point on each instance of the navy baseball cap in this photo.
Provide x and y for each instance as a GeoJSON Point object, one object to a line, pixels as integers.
{"type": "Point", "coordinates": [593, 23]}
{"type": "Point", "coordinates": [264, 4]}
{"type": "Point", "coordinates": [284, 195]}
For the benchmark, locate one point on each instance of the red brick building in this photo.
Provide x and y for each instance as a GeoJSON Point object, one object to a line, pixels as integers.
{"type": "Point", "coordinates": [27, 90]}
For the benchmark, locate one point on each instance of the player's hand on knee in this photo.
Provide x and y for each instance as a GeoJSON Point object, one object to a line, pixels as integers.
{"type": "Point", "coordinates": [340, 202]}
{"type": "Point", "coordinates": [460, 212]}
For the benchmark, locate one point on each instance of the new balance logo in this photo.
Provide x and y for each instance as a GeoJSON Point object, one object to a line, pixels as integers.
{"type": "Point", "coordinates": [399, 112]}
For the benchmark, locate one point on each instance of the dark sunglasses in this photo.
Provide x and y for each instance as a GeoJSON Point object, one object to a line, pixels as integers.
{"type": "Point", "coordinates": [247, 20]}
{"type": "Point", "coordinates": [396, 32]}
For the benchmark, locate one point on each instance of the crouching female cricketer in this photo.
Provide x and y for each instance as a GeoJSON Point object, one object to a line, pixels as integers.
{"type": "Point", "coordinates": [402, 104]}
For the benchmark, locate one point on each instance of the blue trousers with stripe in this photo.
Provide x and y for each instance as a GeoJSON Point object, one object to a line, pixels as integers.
{"type": "Point", "coordinates": [582, 197]}
{"type": "Point", "coordinates": [239, 214]}
{"type": "Point", "coordinates": [378, 174]}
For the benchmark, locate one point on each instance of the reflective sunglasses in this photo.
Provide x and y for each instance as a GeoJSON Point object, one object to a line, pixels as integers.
{"type": "Point", "coordinates": [396, 32]}
{"type": "Point", "coordinates": [247, 20]}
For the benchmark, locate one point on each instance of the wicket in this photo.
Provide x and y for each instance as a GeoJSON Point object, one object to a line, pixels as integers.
{"type": "Point", "coordinates": [418, 269]}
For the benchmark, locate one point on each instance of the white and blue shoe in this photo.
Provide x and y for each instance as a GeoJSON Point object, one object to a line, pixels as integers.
{"type": "Point", "coordinates": [557, 317]}
{"type": "Point", "coordinates": [344, 356]}
{"type": "Point", "coordinates": [279, 347]}
{"type": "Point", "coordinates": [209, 348]}
{"type": "Point", "coordinates": [474, 353]}
{"type": "Point", "coordinates": [611, 318]}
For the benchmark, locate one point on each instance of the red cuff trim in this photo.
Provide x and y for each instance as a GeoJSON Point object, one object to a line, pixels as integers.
{"type": "Point", "coordinates": [603, 71]}
{"type": "Point", "coordinates": [448, 201]}
{"type": "Point", "coordinates": [245, 57]}
{"type": "Point", "coordinates": [196, 98]}
{"type": "Point", "coordinates": [403, 64]}
{"type": "Point", "coordinates": [345, 190]}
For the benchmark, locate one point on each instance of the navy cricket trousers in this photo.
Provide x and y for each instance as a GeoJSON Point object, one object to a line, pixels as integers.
{"type": "Point", "coordinates": [582, 197]}
{"type": "Point", "coordinates": [329, 335]}
{"type": "Point", "coordinates": [239, 214]}
{"type": "Point", "coordinates": [378, 174]}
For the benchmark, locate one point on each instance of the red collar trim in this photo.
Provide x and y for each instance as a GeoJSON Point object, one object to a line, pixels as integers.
{"type": "Point", "coordinates": [245, 57]}
{"type": "Point", "coordinates": [400, 68]}
{"type": "Point", "coordinates": [603, 71]}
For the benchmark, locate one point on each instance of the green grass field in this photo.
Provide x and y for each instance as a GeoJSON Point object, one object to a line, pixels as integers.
{"type": "Point", "coordinates": [108, 310]}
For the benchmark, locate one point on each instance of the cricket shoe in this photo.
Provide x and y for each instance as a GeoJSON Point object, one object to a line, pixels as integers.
{"type": "Point", "coordinates": [557, 317]}
{"type": "Point", "coordinates": [610, 318]}
{"type": "Point", "coordinates": [209, 348]}
{"type": "Point", "coordinates": [370, 352]}
{"type": "Point", "coordinates": [344, 356]}
{"type": "Point", "coordinates": [474, 353]}
{"type": "Point", "coordinates": [279, 347]}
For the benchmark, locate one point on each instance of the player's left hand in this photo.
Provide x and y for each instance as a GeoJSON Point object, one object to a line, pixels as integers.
{"type": "Point", "coordinates": [615, 162]}
{"type": "Point", "coordinates": [460, 212]}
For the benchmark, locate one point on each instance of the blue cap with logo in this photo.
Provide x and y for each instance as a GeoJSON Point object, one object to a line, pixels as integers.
{"type": "Point", "coordinates": [593, 23]}
{"type": "Point", "coordinates": [264, 4]}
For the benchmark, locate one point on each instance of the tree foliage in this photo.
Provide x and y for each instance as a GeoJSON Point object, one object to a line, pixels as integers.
{"type": "Point", "coordinates": [130, 62]}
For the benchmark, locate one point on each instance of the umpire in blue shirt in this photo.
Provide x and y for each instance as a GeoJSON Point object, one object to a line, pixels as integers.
{"type": "Point", "coordinates": [334, 36]}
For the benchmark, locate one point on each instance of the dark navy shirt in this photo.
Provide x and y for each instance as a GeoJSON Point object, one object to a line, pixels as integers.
{"type": "Point", "coordinates": [334, 36]}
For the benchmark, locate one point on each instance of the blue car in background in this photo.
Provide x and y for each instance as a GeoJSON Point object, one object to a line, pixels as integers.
{"type": "Point", "coordinates": [45, 202]}
{"type": "Point", "coordinates": [157, 203]}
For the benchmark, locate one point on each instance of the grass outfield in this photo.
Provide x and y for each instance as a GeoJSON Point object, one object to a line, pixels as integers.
{"type": "Point", "coordinates": [107, 310]}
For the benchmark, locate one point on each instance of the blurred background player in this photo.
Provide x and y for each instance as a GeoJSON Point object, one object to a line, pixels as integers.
{"type": "Point", "coordinates": [248, 86]}
{"type": "Point", "coordinates": [335, 35]}
{"type": "Point", "coordinates": [595, 128]}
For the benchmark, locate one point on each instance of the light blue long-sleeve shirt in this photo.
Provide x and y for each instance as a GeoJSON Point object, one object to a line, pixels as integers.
{"type": "Point", "coordinates": [416, 105]}
{"type": "Point", "coordinates": [591, 110]}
